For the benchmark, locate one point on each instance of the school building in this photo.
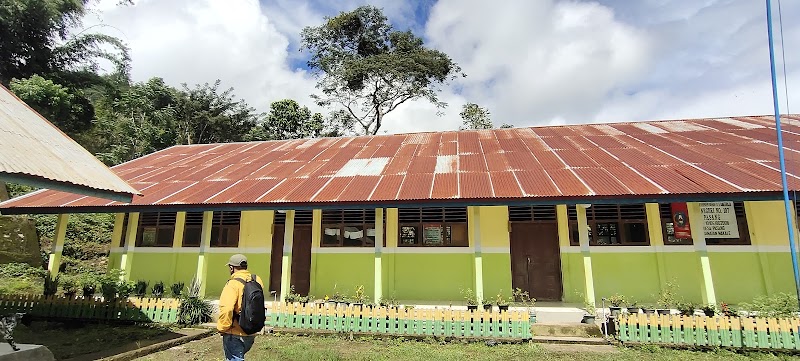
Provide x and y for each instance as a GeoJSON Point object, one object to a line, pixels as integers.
{"type": "Point", "coordinates": [564, 212]}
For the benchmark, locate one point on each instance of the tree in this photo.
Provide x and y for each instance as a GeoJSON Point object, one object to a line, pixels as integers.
{"type": "Point", "coordinates": [368, 69]}
{"type": "Point", "coordinates": [477, 117]}
{"type": "Point", "coordinates": [70, 112]}
{"type": "Point", "coordinates": [206, 115]}
{"type": "Point", "coordinates": [288, 120]}
{"type": "Point", "coordinates": [36, 38]}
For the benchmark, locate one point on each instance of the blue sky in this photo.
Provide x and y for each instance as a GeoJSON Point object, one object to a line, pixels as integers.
{"type": "Point", "coordinates": [529, 62]}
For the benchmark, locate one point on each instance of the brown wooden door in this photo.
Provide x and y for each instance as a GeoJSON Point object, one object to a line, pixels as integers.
{"type": "Point", "coordinates": [301, 259]}
{"type": "Point", "coordinates": [536, 259]}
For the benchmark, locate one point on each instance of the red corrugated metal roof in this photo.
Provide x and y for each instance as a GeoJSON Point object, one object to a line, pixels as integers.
{"type": "Point", "coordinates": [727, 155]}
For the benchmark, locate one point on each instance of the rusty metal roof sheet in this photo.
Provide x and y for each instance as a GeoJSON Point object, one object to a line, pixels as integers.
{"type": "Point", "coordinates": [628, 160]}
{"type": "Point", "coordinates": [33, 151]}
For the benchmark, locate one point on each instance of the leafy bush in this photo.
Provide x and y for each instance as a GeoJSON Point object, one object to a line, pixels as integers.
{"type": "Point", "coordinates": [112, 286]}
{"type": "Point", "coordinates": [140, 288]}
{"type": "Point", "coordinates": [523, 297]}
{"type": "Point", "coordinates": [88, 284]}
{"type": "Point", "coordinates": [158, 289]}
{"type": "Point", "coordinates": [176, 289]}
{"type": "Point", "coordinates": [125, 289]}
{"type": "Point", "coordinates": [666, 299]}
{"type": "Point", "coordinates": [69, 285]}
{"type": "Point", "coordinates": [50, 285]}
{"type": "Point", "coordinates": [16, 270]}
{"type": "Point", "coordinates": [193, 308]}
{"type": "Point", "coordinates": [686, 308]}
{"type": "Point", "coordinates": [470, 297]}
{"type": "Point", "coordinates": [617, 300]}
{"type": "Point", "coordinates": [780, 305]}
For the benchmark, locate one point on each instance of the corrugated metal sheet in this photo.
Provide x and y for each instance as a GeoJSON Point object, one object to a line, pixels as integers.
{"type": "Point", "coordinates": [624, 159]}
{"type": "Point", "coordinates": [33, 149]}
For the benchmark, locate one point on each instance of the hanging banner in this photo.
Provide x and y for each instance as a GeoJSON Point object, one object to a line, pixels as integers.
{"type": "Point", "coordinates": [680, 219]}
{"type": "Point", "coordinates": [719, 220]}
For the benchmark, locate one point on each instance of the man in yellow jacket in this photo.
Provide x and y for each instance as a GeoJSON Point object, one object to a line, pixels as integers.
{"type": "Point", "coordinates": [235, 342]}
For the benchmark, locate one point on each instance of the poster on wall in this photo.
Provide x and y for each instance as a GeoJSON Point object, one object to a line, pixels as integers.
{"type": "Point", "coordinates": [680, 221]}
{"type": "Point", "coordinates": [432, 235]}
{"type": "Point", "coordinates": [719, 220]}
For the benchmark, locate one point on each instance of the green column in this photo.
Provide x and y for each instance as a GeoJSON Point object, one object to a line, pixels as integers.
{"type": "Point", "coordinates": [696, 225]}
{"type": "Point", "coordinates": [126, 261]}
{"type": "Point", "coordinates": [177, 243]}
{"type": "Point", "coordinates": [378, 251]}
{"type": "Point", "coordinates": [583, 238]}
{"type": "Point", "coordinates": [54, 261]}
{"type": "Point", "coordinates": [476, 245]}
{"type": "Point", "coordinates": [286, 265]}
{"type": "Point", "coordinates": [205, 243]}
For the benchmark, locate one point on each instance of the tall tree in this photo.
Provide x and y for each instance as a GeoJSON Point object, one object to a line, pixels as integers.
{"type": "Point", "coordinates": [368, 69]}
{"type": "Point", "coordinates": [204, 114]}
{"type": "Point", "coordinates": [477, 117]}
{"type": "Point", "coordinates": [70, 112]}
{"type": "Point", "coordinates": [288, 120]}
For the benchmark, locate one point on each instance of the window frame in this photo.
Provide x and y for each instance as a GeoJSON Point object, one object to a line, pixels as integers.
{"type": "Point", "coordinates": [447, 218]}
{"type": "Point", "coordinates": [164, 222]}
{"type": "Point", "coordinates": [340, 219]}
{"type": "Point", "coordinates": [621, 220]}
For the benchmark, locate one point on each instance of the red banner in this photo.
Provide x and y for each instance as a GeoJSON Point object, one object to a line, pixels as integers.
{"type": "Point", "coordinates": [680, 219]}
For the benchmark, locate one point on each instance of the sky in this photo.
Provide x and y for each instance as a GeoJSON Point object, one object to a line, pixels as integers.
{"type": "Point", "coordinates": [530, 63]}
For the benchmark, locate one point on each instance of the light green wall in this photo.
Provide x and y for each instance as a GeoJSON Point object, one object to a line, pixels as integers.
{"type": "Point", "coordinates": [683, 270]}
{"type": "Point", "coordinates": [341, 272]}
{"type": "Point", "coordinates": [496, 274]}
{"type": "Point", "coordinates": [572, 277]}
{"type": "Point", "coordinates": [151, 267]}
{"type": "Point", "coordinates": [186, 267]}
{"type": "Point", "coordinates": [737, 276]}
{"type": "Point", "coordinates": [634, 275]}
{"type": "Point", "coordinates": [432, 276]}
{"type": "Point", "coordinates": [780, 273]}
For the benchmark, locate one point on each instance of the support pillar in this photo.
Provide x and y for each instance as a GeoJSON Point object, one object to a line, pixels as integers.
{"type": "Point", "coordinates": [696, 225]}
{"type": "Point", "coordinates": [116, 240]}
{"type": "Point", "coordinates": [177, 243]}
{"type": "Point", "coordinates": [316, 240]}
{"type": "Point", "coordinates": [583, 239]}
{"type": "Point", "coordinates": [126, 261]}
{"type": "Point", "coordinates": [656, 240]}
{"type": "Point", "coordinates": [286, 265]}
{"type": "Point", "coordinates": [54, 261]}
{"type": "Point", "coordinates": [205, 243]}
{"type": "Point", "coordinates": [475, 224]}
{"type": "Point", "coordinates": [378, 254]}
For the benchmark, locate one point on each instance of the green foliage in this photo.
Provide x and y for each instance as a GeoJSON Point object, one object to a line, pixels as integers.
{"type": "Point", "coordinates": [368, 69]}
{"type": "Point", "coordinates": [69, 285]}
{"type": "Point", "coordinates": [88, 283]}
{"type": "Point", "coordinates": [21, 278]}
{"type": "Point", "coordinates": [70, 112]}
{"type": "Point", "coordinates": [475, 117]}
{"type": "Point", "coordinates": [206, 114]}
{"type": "Point", "coordinates": [523, 298]}
{"type": "Point", "coordinates": [16, 190]}
{"type": "Point", "coordinates": [176, 289]}
{"type": "Point", "coordinates": [50, 284]}
{"type": "Point", "coordinates": [388, 302]}
{"type": "Point", "coordinates": [359, 296]}
{"type": "Point", "coordinates": [288, 120]}
{"type": "Point", "coordinates": [470, 297]}
{"type": "Point", "coordinates": [140, 288]}
{"type": "Point", "coordinates": [16, 270]}
{"type": "Point", "coordinates": [617, 300]}
{"type": "Point", "coordinates": [501, 300]}
{"type": "Point", "coordinates": [667, 298]}
{"type": "Point", "coordinates": [686, 308]}
{"type": "Point", "coordinates": [779, 305]}
{"type": "Point", "coordinates": [194, 309]}
{"type": "Point", "coordinates": [158, 290]}
{"type": "Point", "coordinates": [112, 285]}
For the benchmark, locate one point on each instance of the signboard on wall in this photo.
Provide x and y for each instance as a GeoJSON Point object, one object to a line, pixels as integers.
{"type": "Point", "coordinates": [680, 221]}
{"type": "Point", "coordinates": [719, 220]}
{"type": "Point", "coordinates": [432, 235]}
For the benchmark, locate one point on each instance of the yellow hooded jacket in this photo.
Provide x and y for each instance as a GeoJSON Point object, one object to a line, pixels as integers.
{"type": "Point", "coordinates": [230, 303]}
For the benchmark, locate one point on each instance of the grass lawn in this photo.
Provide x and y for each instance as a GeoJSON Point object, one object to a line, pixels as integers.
{"type": "Point", "coordinates": [284, 347]}
{"type": "Point", "coordinates": [74, 339]}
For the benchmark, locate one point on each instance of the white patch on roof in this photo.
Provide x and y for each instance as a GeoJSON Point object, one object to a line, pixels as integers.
{"type": "Point", "coordinates": [419, 138]}
{"type": "Point", "coordinates": [607, 129]}
{"type": "Point", "coordinates": [792, 122]}
{"type": "Point", "coordinates": [361, 167]}
{"type": "Point", "coordinates": [308, 143]}
{"type": "Point", "coordinates": [650, 128]}
{"type": "Point", "coordinates": [446, 164]}
{"type": "Point", "coordinates": [678, 127]}
{"type": "Point", "coordinates": [739, 123]}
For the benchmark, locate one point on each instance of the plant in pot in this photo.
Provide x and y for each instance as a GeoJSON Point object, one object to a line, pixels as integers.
{"type": "Point", "coordinates": [176, 289]}
{"type": "Point", "coordinates": [470, 298]}
{"type": "Point", "coordinates": [158, 290]}
{"type": "Point", "coordinates": [526, 301]}
{"type": "Point", "coordinates": [709, 310]}
{"type": "Point", "coordinates": [616, 302]}
{"type": "Point", "coordinates": [685, 308]}
{"type": "Point", "coordinates": [726, 310]}
{"type": "Point", "coordinates": [591, 313]}
{"type": "Point", "coordinates": [88, 286]}
{"type": "Point", "coordinates": [502, 302]}
{"type": "Point", "coordinates": [140, 289]}
{"type": "Point", "coordinates": [666, 299]}
{"type": "Point", "coordinates": [359, 298]}
{"type": "Point", "coordinates": [648, 309]}
{"type": "Point", "coordinates": [291, 296]}
{"type": "Point", "coordinates": [633, 307]}
{"type": "Point", "coordinates": [69, 284]}
{"type": "Point", "coordinates": [390, 302]}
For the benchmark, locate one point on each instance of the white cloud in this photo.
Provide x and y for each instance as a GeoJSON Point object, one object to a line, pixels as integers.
{"type": "Point", "coordinates": [198, 41]}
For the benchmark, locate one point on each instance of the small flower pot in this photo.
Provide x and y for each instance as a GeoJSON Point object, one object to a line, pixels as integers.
{"type": "Point", "coordinates": [472, 307]}
{"type": "Point", "coordinates": [633, 310]}
{"type": "Point", "coordinates": [663, 311]}
{"type": "Point", "coordinates": [615, 311]}
{"type": "Point", "coordinates": [648, 311]}
{"type": "Point", "coordinates": [503, 308]}
{"type": "Point", "coordinates": [588, 319]}
{"type": "Point", "coordinates": [487, 307]}
{"type": "Point", "coordinates": [532, 317]}
{"type": "Point", "coordinates": [708, 313]}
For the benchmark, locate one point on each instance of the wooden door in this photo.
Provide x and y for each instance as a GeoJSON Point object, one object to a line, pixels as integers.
{"type": "Point", "coordinates": [536, 259]}
{"type": "Point", "coordinates": [301, 259]}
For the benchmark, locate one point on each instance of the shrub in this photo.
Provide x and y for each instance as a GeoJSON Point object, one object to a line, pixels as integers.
{"type": "Point", "coordinates": [158, 290]}
{"type": "Point", "coordinates": [291, 296]}
{"type": "Point", "coordinates": [112, 286]}
{"type": "Point", "coordinates": [16, 270]}
{"type": "Point", "coordinates": [88, 284]}
{"type": "Point", "coordinates": [470, 297]}
{"type": "Point", "coordinates": [126, 288]}
{"type": "Point", "coordinates": [140, 288]}
{"type": "Point", "coordinates": [666, 298]}
{"type": "Point", "coordinates": [523, 297]}
{"type": "Point", "coordinates": [69, 285]}
{"type": "Point", "coordinates": [50, 285]}
{"type": "Point", "coordinates": [193, 308]}
{"type": "Point", "coordinates": [176, 289]}
{"type": "Point", "coordinates": [21, 278]}
{"type": "Point", "coordinates": [617, 300]}
{"type": "Point", "coordinates": [686, 308]}
{"type": "Point", "coordinates": [780, 305]}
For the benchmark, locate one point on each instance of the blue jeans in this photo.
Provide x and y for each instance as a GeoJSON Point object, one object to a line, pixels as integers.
{"type": "Point", "coordinates": [236, 346]}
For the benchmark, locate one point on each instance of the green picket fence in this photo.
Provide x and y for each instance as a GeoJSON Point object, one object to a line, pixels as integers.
{"type": "Point", "coordinates": [417, 322]}
{"type": "Point", "coordinates": [52, 307]}
{"type": "Point", "coordinates": [715, 331]}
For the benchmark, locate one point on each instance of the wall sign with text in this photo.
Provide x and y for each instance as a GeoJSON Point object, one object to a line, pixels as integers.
{"type": "Point", "coordinates": [719, 220]}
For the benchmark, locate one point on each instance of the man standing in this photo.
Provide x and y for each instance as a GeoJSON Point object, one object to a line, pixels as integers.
{"type": "Point", "coordinates": [235, 341]}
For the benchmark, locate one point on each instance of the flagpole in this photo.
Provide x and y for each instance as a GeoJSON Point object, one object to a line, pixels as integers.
{"type": "Point", "coordinates": [784, 183]}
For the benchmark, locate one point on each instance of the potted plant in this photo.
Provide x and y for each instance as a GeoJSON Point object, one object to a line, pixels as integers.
{"type": "Point", "coordinates": [686, 308]}
{"type": "Point", "coordinates": [633, 307]}
{"type": "Point", "coordinates": [666, 299]}
{"type": "Point", "coordinates": [69, 284]}
{"type": "Point", "coordinates": [390, 302]}
{"type": "Point", "coordinates": [648, 309]}
{"type": "Point", "coordinates": [616, 302]}
{"type": "Point", "coordinates": [158, 290]}
{"type": "Point", "coordinates": [726, 310]}
{"type": "Point", "coordinates": [359, 298]}
{"type": "Point", "coordinates": [176, 289]}
{"type": "Point", "coordinates": [526, 301]}
{"type": "Point", "coordinates": [88, 286]}
{"type": "Point", "coordinates": [140, 289]}
{"type": "Point", "coordinates": [591, 313]}
{"type": "Point", "coordinates": [470, 298]}
{"type": "Point", "coordinates": [709, 310]}
{"type": "Point", "coordinates": [501, 302]}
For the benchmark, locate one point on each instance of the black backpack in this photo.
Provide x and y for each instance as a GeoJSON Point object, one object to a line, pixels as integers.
{"type": "Point", "coordinates": [252, 314]}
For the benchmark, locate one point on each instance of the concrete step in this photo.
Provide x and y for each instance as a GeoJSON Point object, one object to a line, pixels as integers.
{"type": "Point", "coordinates": [570, 340]}
{"type": "Point", "coordinates": [566, 330]}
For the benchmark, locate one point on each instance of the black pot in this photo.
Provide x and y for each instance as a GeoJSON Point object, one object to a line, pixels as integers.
{"type": "Point", "coordinates": [503, 308]}
{"type": "Point", "coordinates": [633, 310]}
{"type": "Point", "coordinates": [487, 307]}
{"type": "Point", "coordinates": [472, 307]}
{"type": "Point", "coordinates": [648, 311]}
{"type": "Point", "coordinates": [709, 313]}
{"type": "Point", "coordinates": [663, 311]}
{"type": "Point", "coordinates": [588, 319]}
{"type": "Point", "coordinates": [615, 311]}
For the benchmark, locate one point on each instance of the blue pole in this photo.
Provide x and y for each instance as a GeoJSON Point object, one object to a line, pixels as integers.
{"type": "Point", "coordinates": [786, 203]}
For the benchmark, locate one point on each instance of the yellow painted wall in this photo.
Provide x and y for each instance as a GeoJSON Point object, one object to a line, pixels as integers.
{"type": "Point", "coordinates": [494, 226]}
{"type": "Point", "coordinates": [767, 223]}
{"type": "Point", "coordinates": [255, 229]}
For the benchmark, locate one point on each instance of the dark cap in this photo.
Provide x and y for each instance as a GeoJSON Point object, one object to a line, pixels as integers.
{"type": "Point", "coordinates": [238, 260]}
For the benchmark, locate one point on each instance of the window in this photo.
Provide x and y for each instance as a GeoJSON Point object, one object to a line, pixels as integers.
{"type": "Point", "coordinates": [532, 213]}
{"type": "Point", "coordinates": [349, 228]}
{"type": "Point", "coordinates": [225, 229]}
{"type": "Point", "coordinates": [193, 229]}
{"type": "Point", "coordinates": [433, 227]}
{"type": "Point", "coordinates": [744, 232]}
{"type": "Point", "coordinates": [612, 224]}
{"type": "Point", "coordinates": [668, 226]}
{"type": "Point", "coordinates": [156, 229]}
{"type": "Point", "coordinates": [300, 217]}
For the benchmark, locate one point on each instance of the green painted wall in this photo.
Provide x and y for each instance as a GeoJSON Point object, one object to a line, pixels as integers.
{"type": "Point", "coordinates": [433, 276]}
{"type": "Point", "coordinates": [186, 267]}
{"type": "Point", "coordinates": [496, 274]}
{"type": "Point", "coordinates": [342, 272]}
{"type": "Point", "coordinates": [683, 269]}
{"type": "Point", "coordinates": [151, 267]}
{"type": "Point", "coordinates": [113, 260]}
{"type": "Point", "coordinates": [572, 277]}
{"type": "Point", "coordinates": [634, 275]}
{"type": "Point", "coordinates": [737, 276]}
{"type": "Point", "coordinates": [779, 270]}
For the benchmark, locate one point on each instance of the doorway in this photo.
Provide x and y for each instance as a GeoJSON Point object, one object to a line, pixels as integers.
{"type": "Point", "coordinates": [301, 259]}
{"type": "Point", "coordinates": [536, 259]}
